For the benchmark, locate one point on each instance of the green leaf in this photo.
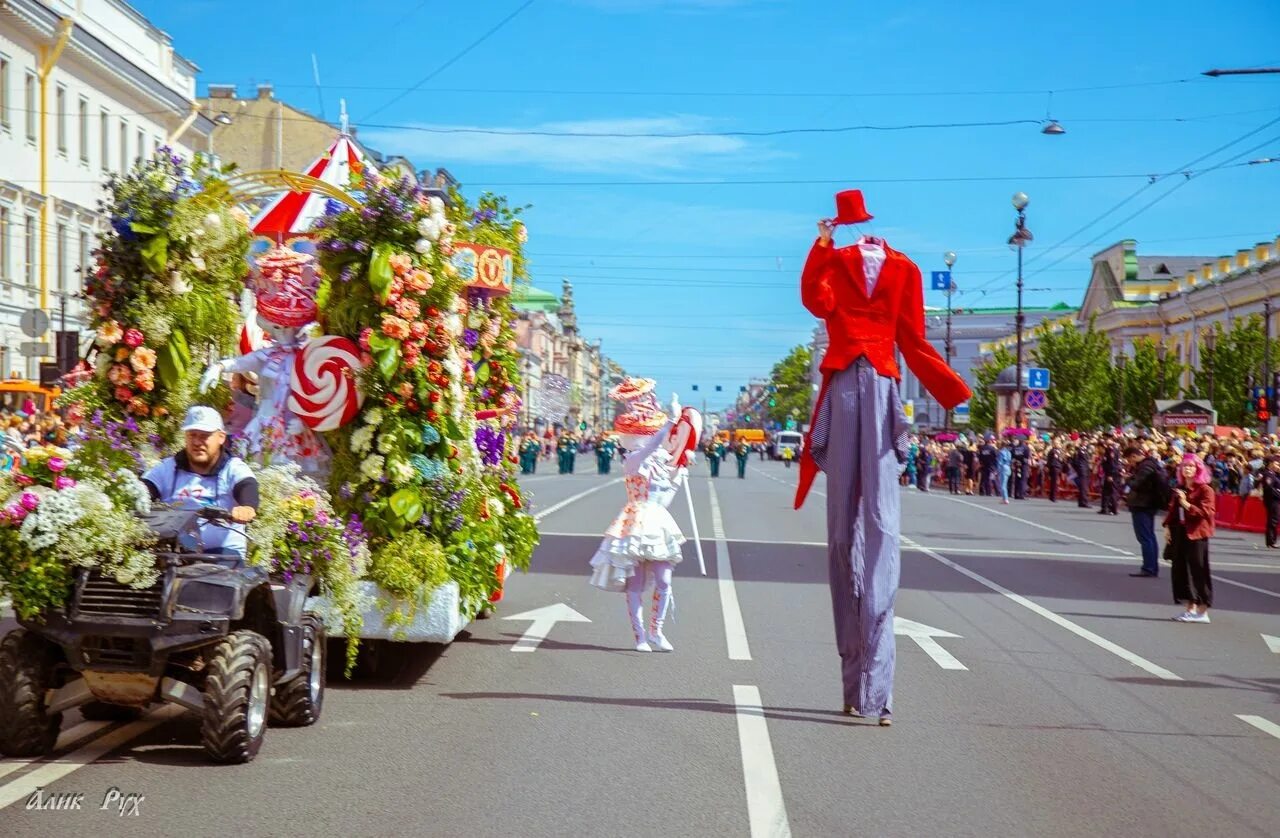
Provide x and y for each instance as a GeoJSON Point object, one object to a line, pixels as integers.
{"type": "Point", "coordinates": [482, 373]}
{"type": "Point", "coordinates": [155, 253]}
{"type": "Point", "coordinates": [407, 505]}
{"type": "Point", "coordinates": [452, 429]}
{"type": "Point", "coordinates": [386, 351]}
{"type": "Point", "coordinates": [172, 359]}
{"type": "Point", "coordinates": [145, 229]}
{"type": "Point", "coordinates": [380, 274]}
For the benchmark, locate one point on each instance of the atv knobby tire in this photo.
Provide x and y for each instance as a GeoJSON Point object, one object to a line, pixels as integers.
{"type": "Point", "coordinates": [237, 694]}
{"type": "Point", "coordinates": [297, 702]}
{"type": "Point", "coordinates": [26, 672]}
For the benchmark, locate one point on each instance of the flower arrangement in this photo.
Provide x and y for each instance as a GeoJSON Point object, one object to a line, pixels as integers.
{"type": "Point", "coordinates": [59, 512]}
{"type": "Point", "coordinates": [297, 531]}
{"type": "Point", "coordinates": [415, 466]}
{"type": "Point", "coordinates": [167, 274]}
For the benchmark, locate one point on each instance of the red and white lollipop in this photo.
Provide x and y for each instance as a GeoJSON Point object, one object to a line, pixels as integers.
{"type": "Point", "coordinates": [323, 391]}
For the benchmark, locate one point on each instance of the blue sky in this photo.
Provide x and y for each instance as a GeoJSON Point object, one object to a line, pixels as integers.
{"type": "Point", "coordinates": [696, 283]}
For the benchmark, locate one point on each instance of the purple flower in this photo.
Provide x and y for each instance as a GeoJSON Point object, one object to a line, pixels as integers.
{"type": "Point", "coordinates": [57, 464]}
{"type": "Point", "coordinates": [63, 482]}
{"type": "Point", "coordinates": [470, 337]}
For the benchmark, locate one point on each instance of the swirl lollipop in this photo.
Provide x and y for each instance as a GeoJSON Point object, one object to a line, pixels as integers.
{"type": "Point", "coordinates": [322, 387]}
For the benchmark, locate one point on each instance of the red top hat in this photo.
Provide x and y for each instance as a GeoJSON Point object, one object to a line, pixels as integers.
{"type": "Point", "coordinates": [850, 208]}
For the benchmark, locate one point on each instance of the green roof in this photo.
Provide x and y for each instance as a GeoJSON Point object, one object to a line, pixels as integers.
{"type": "Point", "coordinates": [528, 298]}
{"type": "Point", "coordinates": [1063, 307]}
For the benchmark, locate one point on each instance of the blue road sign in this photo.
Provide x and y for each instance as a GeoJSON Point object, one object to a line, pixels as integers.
{"type": "Point", "coordinates": [941, 280]}
{"type": "Point", "coordinates": [961, 409]}
{"type": "Point", "coordinates": [1035, 399]}
{"type": "Point", "coordinates": [1038, 378]}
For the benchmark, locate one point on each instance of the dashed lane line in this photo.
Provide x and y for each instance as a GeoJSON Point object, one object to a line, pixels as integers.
{"type": "Point", "coordinates": [1039, 526]}
{"type": "Point", "coordinates": [67, 738]}
{"type": "Point", "coordinates": [1261, 724]}
{"type": "Point", "coordinates": [735, 631]}
{"type": "Point", "coordinates": [766, 811]}
{"type": "Point", "coordinates": [1060, 621]}
{"type": "Point", "coordinates": [556, 507]}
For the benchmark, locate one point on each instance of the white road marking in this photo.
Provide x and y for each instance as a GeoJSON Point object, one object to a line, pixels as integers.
{"type": "Point", "coordinates": [1273, 643]}
{"type": "Point", "coordinates": [924, 638]}
{"type": "Point", "coordinates": [981, 551]}
{"type": "Point", "coordinates": [1261, 724]}
{"type": "Point", "coordinates": [1078, 630]}
{"type": "Point", "coordinates": [735, 631]}
{"type": "Point", "coordinates": [556, 507]}
{"type": "Point", "coordinates": [544, 619]}
{"type": "Point", "coordinates": [51, 772]}
{"type": "Point", "coordinates": [1217, 577]}
{"type": "Point", "coordinates": [1039, 526]}
{"type": "Point", "coordinates": [766, 811]}
{"type": "Point", "coordinates": [730, 540]}
{"type": "Point", "coordinates": [68, 737]}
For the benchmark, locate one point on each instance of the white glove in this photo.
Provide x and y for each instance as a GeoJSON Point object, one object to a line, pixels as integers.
{"type": "Point", "coordinates": [675, 407]}
{"type": "Point", "coordinates": [211, 377]}
{"type": "Point", "coordinates": [295, 426]}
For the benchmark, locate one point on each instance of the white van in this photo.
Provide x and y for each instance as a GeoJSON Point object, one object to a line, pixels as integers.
{"type": "Point", "coordinates": [788, 439]}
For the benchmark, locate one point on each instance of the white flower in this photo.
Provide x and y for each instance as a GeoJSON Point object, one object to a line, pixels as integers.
{"type": "Point", "coordinates": [400, 472]}
{"type": "Point", "coordinates": [428, 228]}
{"type": "Point", "coordinates": [212, 222]}
{"type": "Point", "coordinates": [423, 246]}
{"type": "Point", "coordinates": [386, 442]}
{"type": "Point", "coordinates": [373, 416]}
{"type": "Point", "coordinates": [452, 365]}
{"type": "Point", "coordinates": [179, 285]}
{"type": "Point", "coordinates": [496, 509]}
{"type": "Point", "coordinates": [453, 323]}
{"type": "Point", "coordinates": [362, 440]}
{"type": "Point", "coordinates": [198, 262]}
{"type": "Point", "coordinates": [436, 204]}
{"type": "Point", "coordinates": [372, 467]}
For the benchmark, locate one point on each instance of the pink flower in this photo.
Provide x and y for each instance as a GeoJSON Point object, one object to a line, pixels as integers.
{"type": "Point", "coordinates": [366, 359]}
{"type": "Point", "coordinates": [63, 482]}
{"type": "Point", "coordinates": [143, 358]}
{"type": "Point", "coordinates": [132, 338]}
{"type": "Point", "coordinates": [123, 394]}
{"type": "Point", "coordinates": [145, 380]}
{"type": "Point", "coordinates": [120, 375]}
{"type": "Point", "coordinates": [56, 464]}
{"type": "Point", "coordinates": [408, 309]}
{"type": "Point", "coordinates": [401, 263]}
{"type": "Point", "coordinates": [22, 480]}
{"type": "Point", "coordinates": [419, 281]}
{"type": "Point", "coordinates": [15, 513]}
{"type": "Point", "coordinates": [394, 327]}
{"type": "Point", "coordinates": [29, 501]}
{"type": "Point", "coordinates": [364, 338]}
{"type": "Point", "coordinates": [418, 330]}
{"type": "Point", "coordinates": [109, 333]}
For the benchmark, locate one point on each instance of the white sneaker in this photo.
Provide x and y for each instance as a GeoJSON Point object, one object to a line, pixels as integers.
{"type": "Point", "coordinates": [1182, 618]}
{"type": "Point", "coordinates": [659, 642]}
{"type": "Point", "coordinates": [1197, 618]}
{"type": "Point", "coordinates": [643, 646]}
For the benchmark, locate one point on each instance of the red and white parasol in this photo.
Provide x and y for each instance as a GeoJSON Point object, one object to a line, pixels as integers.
{"type": "Point", "coordinates": [292, 213]}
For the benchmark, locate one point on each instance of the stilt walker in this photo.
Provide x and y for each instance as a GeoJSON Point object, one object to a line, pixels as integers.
{"type": "Point", "coordinates": [643, 544]}
{"type": "Point", "coordinates": [871, 298]}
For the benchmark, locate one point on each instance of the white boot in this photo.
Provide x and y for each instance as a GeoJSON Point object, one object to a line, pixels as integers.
{"type": "Point", "coordinates": [643, 646]}
{"type": "Point", "coordinates": [657, 641]}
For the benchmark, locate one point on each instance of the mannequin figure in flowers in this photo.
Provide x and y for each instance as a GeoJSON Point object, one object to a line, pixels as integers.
{"type": "Point", "coordinates": [285, 286]}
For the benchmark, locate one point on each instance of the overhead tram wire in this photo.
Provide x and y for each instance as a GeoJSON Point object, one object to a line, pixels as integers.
{"type": "Point", "coordinates": [1154, 180]}
{"type": "Point", "coordinates": [452, 60]}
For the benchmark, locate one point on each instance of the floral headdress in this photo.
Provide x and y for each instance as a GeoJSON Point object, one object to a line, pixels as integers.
{"type": "Point", "coordinates": [285, 286]}
{"type": "Point", "coordinates": [644, 417]}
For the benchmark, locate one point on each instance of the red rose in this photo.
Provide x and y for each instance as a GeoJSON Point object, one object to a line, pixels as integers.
{"type": "Point", "coordinates": [413, 405]}
{"type": "Point", "coordinates": [434, 397]}
{"type": "Point", "coordinates": [132, 338]}
{"type": "Point", "coordinates": [432, 416]}
{"type": "Point", "coordinates": [391, 399]}
{"type": "Point", "coordinates": [123, 394]}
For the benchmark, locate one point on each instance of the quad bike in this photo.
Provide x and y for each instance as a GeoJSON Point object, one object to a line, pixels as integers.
{"type": "Point", "coordinates": [215, 635]}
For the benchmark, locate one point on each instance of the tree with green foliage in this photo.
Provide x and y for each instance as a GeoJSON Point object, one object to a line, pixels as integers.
{"type": "Point", "coordinates": [982, 405]}
{"type": "Point", "coordinates": [1227, 363]}
{"type": "Point", "coordinates": [792, 388]}
{"type": "Point", "coordinates": [1080, 363]}
{"type": "Point", "coordinates": [1144, 378]}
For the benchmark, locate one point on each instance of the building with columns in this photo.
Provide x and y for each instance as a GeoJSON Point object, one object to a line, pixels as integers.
{"type": "Point", "coordinates": [87, 88]}
{"type": "Point", "coordinates": [1174, 300]}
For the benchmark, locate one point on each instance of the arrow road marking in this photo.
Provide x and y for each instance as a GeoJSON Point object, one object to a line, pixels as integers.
{"type": "Point", "coordinates": [1273, 643]}
{"type": "Point", "coordinates": [544, 619]}
{"type": "Point", "coordinates": [924, 638]}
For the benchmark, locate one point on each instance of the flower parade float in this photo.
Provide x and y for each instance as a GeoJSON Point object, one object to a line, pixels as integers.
{"type": "Point", "coordinates": [121, 606]}
{"type": "Point", "coordinates": [426, 463]}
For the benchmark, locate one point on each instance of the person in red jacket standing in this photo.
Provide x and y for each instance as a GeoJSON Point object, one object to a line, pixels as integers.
{"type": "Point", "coordinates": [872, 301]}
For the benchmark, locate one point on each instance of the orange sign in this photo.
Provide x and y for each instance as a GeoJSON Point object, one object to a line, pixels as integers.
{"type": "Point", "coordinates": [484, 268]}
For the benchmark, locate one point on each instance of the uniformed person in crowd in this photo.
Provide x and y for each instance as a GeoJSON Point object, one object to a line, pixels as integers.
{"type": "Point", "coordinates": [529, 451]}
{"type": "Point", "coordinates": [987, 454]}
{"type": "Point", "coordinates": [1082, 466]}
{"type": "Point", "coordinates": [1021, 455]}
{"type": "Point", "coordinates": [1271, 499]}
{"type": "Point", "coordinates": [1109, 465]}
{"type": "Point", "coordinates": [955, 464]}
{"type": "Point", "coordinates": [567, 449]}
{"type": "Point", "coordinates": [1053, 464]}
{"type": "Point", "coordinates": [606, 448]}
{"type": "Point", "coordinates": [715, 456]}
{"type": "Point", "coordinates": [742, 451]}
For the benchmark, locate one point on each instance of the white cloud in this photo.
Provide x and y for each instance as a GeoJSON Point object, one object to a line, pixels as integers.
{"type": "Point", "coordinates": [634, 155]}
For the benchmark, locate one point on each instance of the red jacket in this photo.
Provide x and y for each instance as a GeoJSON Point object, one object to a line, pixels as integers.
{"type": "Point", "coordinates": [833, 287]}
{"type": "Point", "coordinates": [1199, 519]}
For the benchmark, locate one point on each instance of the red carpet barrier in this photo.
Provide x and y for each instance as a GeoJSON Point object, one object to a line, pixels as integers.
{"type": "Point", "coordinates": [1249, 516]}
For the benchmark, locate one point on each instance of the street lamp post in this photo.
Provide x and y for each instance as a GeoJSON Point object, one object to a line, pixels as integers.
{"type": "Point", "coordinates": [949, 258]}
{"type": "Point", "coordinates": [1121, 361]}
{"type": "Point", "coordinates": [528, 395]}
{"type": "Point", "coordinates": [1021, 235]}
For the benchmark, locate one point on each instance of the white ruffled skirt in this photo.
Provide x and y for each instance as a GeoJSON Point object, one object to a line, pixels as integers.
{"type": "Point", "coordinates": [642, 533]}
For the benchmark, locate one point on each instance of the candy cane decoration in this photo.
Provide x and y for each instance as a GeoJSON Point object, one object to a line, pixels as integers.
{"type": "Point", "coordinates": [322, 388]}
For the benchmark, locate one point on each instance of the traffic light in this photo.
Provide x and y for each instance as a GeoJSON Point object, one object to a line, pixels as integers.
{"type": "Point", "coordinates": [1263, 405]}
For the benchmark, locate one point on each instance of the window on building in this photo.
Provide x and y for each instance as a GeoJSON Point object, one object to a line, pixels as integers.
{"type": "Point", "coordinates": [60, 253]}
{"type": "Point", "coordinates": [104, 139]}
{"type": "Point", "coordinates": [4, 92]}
{"type": "Point", "coordinates": [142, 147]}
{"type": "Point", "coordinates": [4, 248]}
{"type": "Point", "coordinates": [85, 256]}
{"type": "Point", "coordinates": [84, 130]}
{"type": "Point", "coordinates": [60, 102]}
{"type": "Point", "coordinates": [29, 253]}
{"type": "Point", "coordinates": [124, 146]}
{"type": "Point", "coordinates": [30, 103]}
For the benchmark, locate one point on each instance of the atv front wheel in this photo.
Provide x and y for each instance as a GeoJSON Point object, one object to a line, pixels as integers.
{"type": "Point", "coordinates": [297, 702]}
{"type": "Point", "coordinates": [26, 674]}
{"type": "Point", "coordinates": [237, 692]}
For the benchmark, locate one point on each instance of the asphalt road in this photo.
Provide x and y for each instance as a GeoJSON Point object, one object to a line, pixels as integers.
{"type": "Point", "coordinates": [1052, 696]}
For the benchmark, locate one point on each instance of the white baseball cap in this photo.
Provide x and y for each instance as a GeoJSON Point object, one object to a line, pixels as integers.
{"type": "Point", "coordinates": [202, 418]}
